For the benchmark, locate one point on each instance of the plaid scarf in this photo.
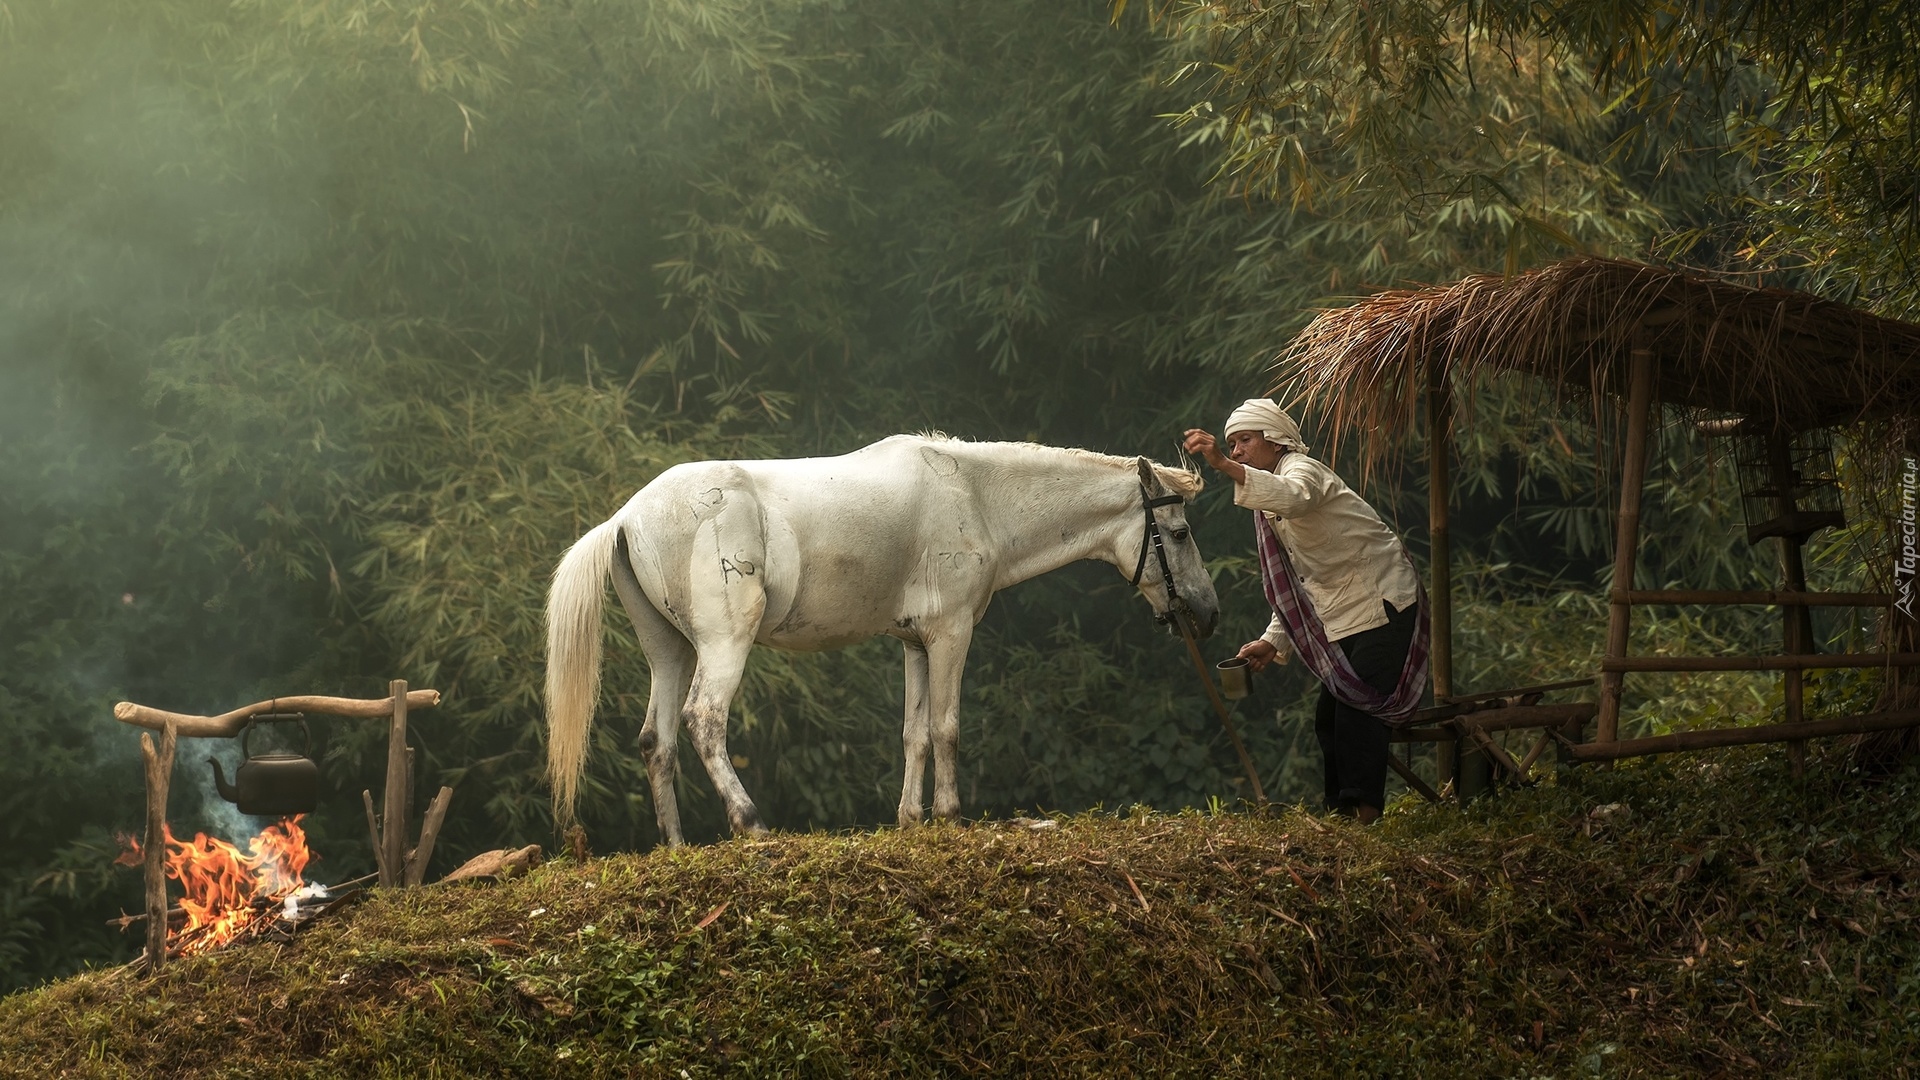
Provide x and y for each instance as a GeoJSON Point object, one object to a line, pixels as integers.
{"type": "Point", "coordinates": [1325, 659]}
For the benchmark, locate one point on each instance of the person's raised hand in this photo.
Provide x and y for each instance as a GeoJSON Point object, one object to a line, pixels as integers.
{"type": "Point", "coordinates": [1202, 442]}
{"type": "Point", "coordinates": [1258, 654]}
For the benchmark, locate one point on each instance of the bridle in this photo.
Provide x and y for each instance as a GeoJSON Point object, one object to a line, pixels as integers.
{"type": "Point", "coordinates": [1151, 539]}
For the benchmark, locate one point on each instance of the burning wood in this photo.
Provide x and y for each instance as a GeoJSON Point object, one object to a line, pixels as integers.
{"type": "Point", "coordinates": [227, 892]}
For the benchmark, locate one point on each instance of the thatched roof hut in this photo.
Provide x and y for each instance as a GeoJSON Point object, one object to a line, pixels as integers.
{"type": "Point", "coordinates": [1767, 363]}
{"type": "Point", "coordinates": [1781, 357]}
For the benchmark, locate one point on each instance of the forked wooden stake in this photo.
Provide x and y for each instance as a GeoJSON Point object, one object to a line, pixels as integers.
{"type": "Point", "coordinates": [429, 832]}
{"type": "Point", "coordinates": [373, 832]}
{"type": "Point", "coordinates": [159, 765]}
{"type": "Point", "coordinates": [393, 820]}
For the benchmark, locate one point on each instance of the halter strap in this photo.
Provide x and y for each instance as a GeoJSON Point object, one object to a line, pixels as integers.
{"type": "Point", "coordinates": [1151, 538]}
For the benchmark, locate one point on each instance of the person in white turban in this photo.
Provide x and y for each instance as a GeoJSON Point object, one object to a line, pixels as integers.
{"type": "Point", "coordinates": [1344, 594]}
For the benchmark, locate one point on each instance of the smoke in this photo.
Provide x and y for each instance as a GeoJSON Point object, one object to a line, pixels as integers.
{"type": "Point", "coordinates": [219, 816]}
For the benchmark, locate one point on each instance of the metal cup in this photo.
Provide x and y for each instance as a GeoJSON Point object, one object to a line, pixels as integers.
{"type": "Point", "coordinates": [1234, 676]}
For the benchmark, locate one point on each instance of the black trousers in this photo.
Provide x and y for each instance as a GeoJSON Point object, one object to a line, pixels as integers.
{"type": "Point", "coordinates": [1353, 744]}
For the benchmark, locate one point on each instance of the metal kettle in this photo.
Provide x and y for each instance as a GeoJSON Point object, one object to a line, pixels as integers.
{"type": "Point", "coordinates": [272, 785]}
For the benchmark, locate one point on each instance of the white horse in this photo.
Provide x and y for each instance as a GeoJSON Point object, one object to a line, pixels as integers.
{"type": "Point", "coordinates": [909, 537]}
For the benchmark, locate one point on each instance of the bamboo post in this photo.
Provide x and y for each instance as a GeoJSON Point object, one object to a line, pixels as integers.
{"type": "Point", "coordinates": [1440, 551]}
{"type": "Point", "coordinates": [1413, 779]}
{"type": "Point", "coordinates": [1713, 738]}
{"type": "Point", "coordinates": [1626, 542]}
{"type": "Point", "coordinates": [1794, 639]}
{"type": "Point", "coordinates": [393, 822]}
{"type": "Point", "coordinates": [1796, 621]}
{"type": "Point", "coordinates": [159, 767]}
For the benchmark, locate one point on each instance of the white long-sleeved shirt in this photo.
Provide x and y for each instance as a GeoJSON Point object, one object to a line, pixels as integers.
{"type": "Point", "coordinates": [1348, 559]}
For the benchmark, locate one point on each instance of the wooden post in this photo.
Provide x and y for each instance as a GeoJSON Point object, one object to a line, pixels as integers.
{"type": "Point", "coordinates": [1796, 621]}
{"type": "Point", "coordinates": [1795, 638]}
{"type": "Point", "coordinates": [393, 822]}
{"type": "Point", "coordinates": [429, 833]}
{"type": "Point", "coordinates": [373, 831]}
{"type": "Point", "coordinates": [1626, 541]}
{"type": "Point", "coordinates": [1440, 555]}
{"type": "Point", "coordinates": [159, 766]}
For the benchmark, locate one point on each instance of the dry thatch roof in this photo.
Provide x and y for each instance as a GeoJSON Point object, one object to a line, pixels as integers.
{"type": "Point", "coordinates": [1776, 355]}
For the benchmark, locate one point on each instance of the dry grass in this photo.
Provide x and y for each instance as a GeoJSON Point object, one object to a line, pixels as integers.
{"type": "Point", "coordinates": [1698, 931]}
{"type": "Point", "coordinates": [1773, 354]}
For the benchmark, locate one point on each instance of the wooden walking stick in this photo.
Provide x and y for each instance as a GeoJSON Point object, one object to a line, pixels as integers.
{"type": "Point", "coordinates": [1219, 706]}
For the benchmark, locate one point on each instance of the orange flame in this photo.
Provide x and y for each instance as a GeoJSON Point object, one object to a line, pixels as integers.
{"type": "Point", "coordinates": [225, 891]}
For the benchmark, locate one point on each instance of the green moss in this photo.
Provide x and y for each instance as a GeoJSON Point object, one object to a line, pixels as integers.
{"type": "Point", "coordinates": [1725, 920]}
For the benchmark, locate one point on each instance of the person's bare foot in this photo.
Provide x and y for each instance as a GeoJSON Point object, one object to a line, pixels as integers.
{"type": "Point", "coordinates": [1366, 815]}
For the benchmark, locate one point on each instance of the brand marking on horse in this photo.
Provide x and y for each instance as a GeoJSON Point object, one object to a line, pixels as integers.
{"type": "Point", "coordinates": [708, 503]}
{"type": "Point", "coordinates": [942, 464]}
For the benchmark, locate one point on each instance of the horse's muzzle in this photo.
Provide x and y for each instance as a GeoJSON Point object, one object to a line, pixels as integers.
{"type": "Point", "coordinates": [1182, 618]}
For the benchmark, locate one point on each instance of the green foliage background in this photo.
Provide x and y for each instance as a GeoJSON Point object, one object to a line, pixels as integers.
{"type": "Point", "coordinates": [326, 326]}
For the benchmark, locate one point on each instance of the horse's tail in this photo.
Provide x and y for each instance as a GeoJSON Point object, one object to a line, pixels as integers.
{"type": "Point", "coordinates": [573, 660]}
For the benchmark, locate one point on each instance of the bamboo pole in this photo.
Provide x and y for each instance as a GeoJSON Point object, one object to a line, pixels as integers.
{"type": "Point", "coordinates": [159, 767]}
{"type": "Point", "coordinates": [1809, 661]}
{"type": "Point", "coordinates": [227, 725]}
{"type": "Point", "coordinates": [1743, 736]}
{"type": "Point", "coordinates": [1756, 597]}
{"type": "Point", "coordinates": [1518, 691]}
{"type": "Point", "coordinates": [1539, 745]}
{"type": "Point", "coordinates": [1440, 549]}
{"type": "Point", "coordinates": [1493, 750]}
{"type": "Point", "coordinates": [393, 821]}
{"type": "Point", "coordinates": [1523, 716]}
{"type": "Point", "coordinates": [1626, 542]}
{"type": "Point", "coordinates": [1796, 621]}
{"type": "Point", "coordinates": [1413, 779]}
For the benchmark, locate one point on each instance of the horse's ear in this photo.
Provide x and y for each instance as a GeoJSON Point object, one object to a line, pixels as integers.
{"type": "Point", "coordinates": [1149, 478]}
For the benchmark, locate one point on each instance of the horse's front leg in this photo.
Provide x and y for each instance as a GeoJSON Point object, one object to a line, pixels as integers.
{"type": "Point", "coordinates": [914, 735]}
{"type": "Point", "coordinates": [946, 660]}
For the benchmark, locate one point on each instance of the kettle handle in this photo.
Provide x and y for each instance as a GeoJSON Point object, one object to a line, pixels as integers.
{"type": "Point", "coordinates": [246, 732]}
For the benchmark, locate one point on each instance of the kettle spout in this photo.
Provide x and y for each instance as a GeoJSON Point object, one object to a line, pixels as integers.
{"type": "Point", "coordinates": [227, 791]}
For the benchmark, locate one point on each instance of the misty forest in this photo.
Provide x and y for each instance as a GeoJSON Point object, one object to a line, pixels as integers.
{"type": "Point", "coordinates": [327, 326]}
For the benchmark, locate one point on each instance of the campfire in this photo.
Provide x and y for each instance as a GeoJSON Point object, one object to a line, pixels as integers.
{"type": "Point", "coordinates": [228, 893]}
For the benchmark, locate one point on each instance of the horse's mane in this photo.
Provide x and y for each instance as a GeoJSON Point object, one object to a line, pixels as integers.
{"type": "Point", "coordinates": [1184, 482]}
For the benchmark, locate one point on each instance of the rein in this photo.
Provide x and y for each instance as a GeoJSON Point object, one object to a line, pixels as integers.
{"type": "Point", "coordinates": [1152, 538]}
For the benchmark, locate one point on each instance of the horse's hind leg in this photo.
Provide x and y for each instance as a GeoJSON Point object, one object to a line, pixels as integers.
{"type": "Point", "coordinates": [913, 736]}
{"type": "Point", "coordinates": [727, 596]}
{"type": "Point", "coordinates": [670, 661]}
{"type": "Point", "coordinates": [715, 680]}
{"type": "Point", "coordinates": [660, 736]}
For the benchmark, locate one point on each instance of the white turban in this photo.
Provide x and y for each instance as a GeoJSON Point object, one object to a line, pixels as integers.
{"type": "Point", "coordinates": [1267, 418]}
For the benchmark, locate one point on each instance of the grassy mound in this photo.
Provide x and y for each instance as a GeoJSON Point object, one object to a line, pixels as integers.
{"type": "Point", "coordinates": [1673, 919]}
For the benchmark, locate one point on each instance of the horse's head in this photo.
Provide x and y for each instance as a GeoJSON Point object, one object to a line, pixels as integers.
{"type": "Point", "coordinates": [1171, 574]}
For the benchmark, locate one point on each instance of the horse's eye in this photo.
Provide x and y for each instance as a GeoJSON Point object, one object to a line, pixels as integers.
{"type": "Point", "coordinates": [1179, 536]}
